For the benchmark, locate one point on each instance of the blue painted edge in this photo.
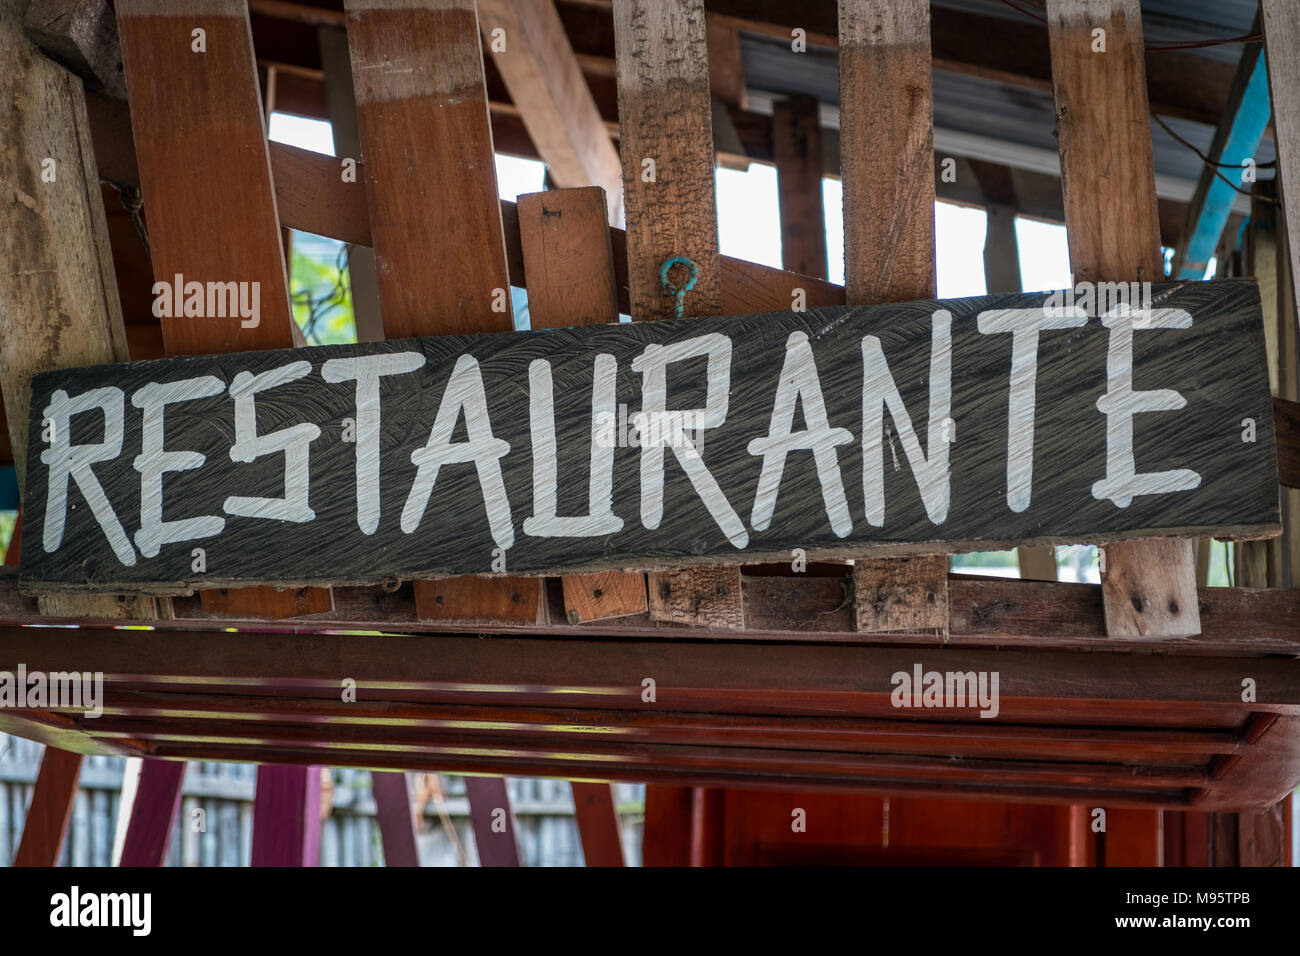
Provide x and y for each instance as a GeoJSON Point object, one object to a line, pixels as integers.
{"type": "Point", "coordinates": [1243, 139]}
{"type": "Point", "coordinates": [8, 488]}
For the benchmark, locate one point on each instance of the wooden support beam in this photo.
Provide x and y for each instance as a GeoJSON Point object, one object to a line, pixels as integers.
{"type": "Point", "coordinates": [570, 267]}
{"type": "Point", "coordinates": [493, 821]}
{"type": "Point", "coordinates": [82, 35]}
{"type": "Point", "coordinates": [666, 145]}
{"type": "Point", "coordinates": [1113, 233]}
{"type": "Point", "coordinates": [153, 813]}
{"type": "Point", "coordinates": [362, 278]}
{"type": "Point", "coordinates": [190, 207]}
{"type": "Point", "coordinates": [669, 824]}
{"type": "Point", "coordinates": [726, 66]}
{"type": "Point", "coordinates": [797, 149]}
{"type": "Point", "coordinates": [50, 809]}
{"type": "Point", "coordinates": [397, 822]}
{"type": "Point", "coordinates": [286, 816]}
{"type": "Point", "coordinates": [1282, 46]}
{"type": "Point", "coordinates": [54, 238]}
{"type": "Point", "coordinates": [537, 63]}
{"type": "Point", "coordinates": [887, 165]}
{"type": "Point", "coordinates": [596, 811]}
{"type": "Point", "coordinates": [434, 215]}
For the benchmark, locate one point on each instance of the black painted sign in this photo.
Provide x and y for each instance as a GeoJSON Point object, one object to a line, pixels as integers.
{"type": "Point", "coordinates": [1088, 415]}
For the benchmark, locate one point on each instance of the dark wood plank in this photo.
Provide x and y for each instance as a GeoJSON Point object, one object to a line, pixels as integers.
{"type": "Point", "coordinates": [1113, 232]}
{"type": "Point", "coordinates": [157, 801]}
{"type": "Point", "coordinates": [50, 809]}
{"type": "Point", "coordinates": [797, 149]}
{"type": "Point", "coordinates": [395, 818]}
{"type": "Point", "coordinates": [1286, 422]}
{"type": "Point", "coordinates": [493, 821]}
{"type": "Point", "coordinates": [286, 815]}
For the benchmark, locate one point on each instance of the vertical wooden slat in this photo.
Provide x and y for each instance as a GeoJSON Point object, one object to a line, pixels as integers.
{"type": "Point", "coordinates": [1113, 233]}
{"type": "Point", "coordinates": [493, 822]}
{"type": "Point", "coordinates": [286, 816]}
{"type": "Point", "coordinates": [396, 821]}
{"type": "Point", "coordinates": [417, 71]}
{"type": "Point", "coordinates": [157, 801]}
{"type": "Point", "coordinates": [666, 144]}
{"type": "Point", "coordinates": [58, 293]}
{"type": "Point", "coordinates": [797, 150]}
{"type": "Point", "coordinates": [597, 815]}
{"type": "Point", "coordinates": [198, 128]}
{"type": "Point", "coordinates": [667, 832]}
{"type": "Point", "coordinates": [1282, 46]}
{"type": "Point", "coordinates": [1132, 838]}
{"type": "Point", "coordinates": [51, 809]}
{"type": "Point", "coordinates": [342, 105]}
{"type": "Point", "coordinates": [887, 165]}
{"type": "Point", "coordinates": [570, 270]}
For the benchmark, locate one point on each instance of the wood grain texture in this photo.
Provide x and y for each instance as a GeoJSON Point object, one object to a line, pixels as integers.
{"type": "Point", "coordinates": [797, 149]}
{"type": "Point", "coordinates": [470, 600]}
{"type": "Point", "coordinates": [1113, 232]}
{"type": "Point", "coordinates": [460, 525]}
{"type": "Point", "coordinates": [666, 145]}
{"type": "Point", "coordinates": [663, 110]}
{"type": "Point", "coordinates": [570, 268]}
{"type": "Point", "coordinates": [213, 98]}
{"type": "Point", "coordinates": [50, 810]}
{"type": "Point", "coordinates": [82, 35]}
{"type": "Point", "coordinates": [431, 186]}
{"type": "Point", "coordinates": [1282, 44]}
{"type": "Point", "coordinates": [157, 801]}
{"type": "Point", "coordinates": [547, 86]}
{"type": "Point", "coordinates": [886, 150]}
{"type": "Point", "coordinates": [430, 180]}
{"type": "Point", "coordinates": [899, 594]}
{"type": "Point", "coordinates": [596, 812]}
{"type": "Point", "coordinates": [1145, 590]}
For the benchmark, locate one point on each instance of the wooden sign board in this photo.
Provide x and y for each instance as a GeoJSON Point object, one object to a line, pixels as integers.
{"type": "Point", "coordinates": [922, 427]}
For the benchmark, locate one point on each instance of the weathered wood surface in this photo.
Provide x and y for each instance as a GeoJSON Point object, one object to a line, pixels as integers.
{"type": "Point", "coordinates": [1282, 45]}
{"type": "Point", "coordinates": [1113, 232]}
{"type": "Point", "coordinates": [374, 516]}
{"type": "Point", "coordinates": [797, 149]}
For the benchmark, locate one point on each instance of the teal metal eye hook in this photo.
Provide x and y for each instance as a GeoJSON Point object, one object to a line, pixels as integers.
{"type": "Point", "coordinates": [678, 292]}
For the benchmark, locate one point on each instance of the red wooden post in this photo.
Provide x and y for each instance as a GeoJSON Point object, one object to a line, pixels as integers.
{"type": "Point", "coordinates": [594, 806]}
{"type": "Point", "coordinates": [51, 809]}
{"type": "Point", "coordinates": [286, 816]}
{"type": "Point", "coordinates": [494, 824]}
{"type": "Point", "coordinates": [157, 801]}
{"type": "Point", "coordinates": [396, 823]}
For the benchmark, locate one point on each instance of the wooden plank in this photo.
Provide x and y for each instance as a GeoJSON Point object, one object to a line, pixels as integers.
{"type": "Point", "coordinates": [975, 494]}
{"type": "Point", "coordinates": [431, 187]}
{"type": "Point", "coordinates": [1113, 233]}
{"type": "Point", "coordinates": [899, 594]}
{"type": "Point", "coordinates": [571, 282]}
{"type": "Point", "coordinates": [666, 146]}
{"type": "Point", "coordinates": [393, 813]}
{"type": "Point", "coordinates": [287, 816]}
{"type": "Point", "coordinates": [362, 277]}
{"type": "Point", "coordinates": [1282, 46]}
{"type": "Point", "coordinates": [174, 87]}
{"type": "Point", "coordinates": [493, 821]}
{"type": "Point", "coordinates": [55, 239]}
{"type": "Point", "coordinates": [887, 167]}
{"type": "Point", "coordinates": [157, 801]}
{"type": "Point", "coordinates": [537, 63]}
{"type": "Point", "coordinates": [667, 831]}
{"type": "Point", "coordinates": [797, 149]}
{"type": "Point", "coordinates": [50, 809]}
{"type": "Point", "coordinates": [597, 815]}
{"type": "Point", "coordinates": [726, 65]}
